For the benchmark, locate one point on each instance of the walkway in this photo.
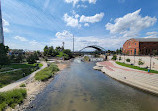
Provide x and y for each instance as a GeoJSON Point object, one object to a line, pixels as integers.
{"type": "Point", "coordinates": [22, 80]}
{"type": "Point", "coordinates": [140, 79]}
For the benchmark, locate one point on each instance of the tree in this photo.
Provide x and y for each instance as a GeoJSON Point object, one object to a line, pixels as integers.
{"type": "Point", "coordinates": [31, 59]}
{"type": "Point", "coordinates": [4, 59]}
{"type": "Point", "coordinates": [19, 58]}
{"type": "Point", "coordinates": [68, 52]}
{"type": "Point", "coordinates": [46, 50]}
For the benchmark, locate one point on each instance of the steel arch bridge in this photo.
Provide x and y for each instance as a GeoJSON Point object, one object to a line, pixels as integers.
{"type": "Point", "coordinates": [101, 49]}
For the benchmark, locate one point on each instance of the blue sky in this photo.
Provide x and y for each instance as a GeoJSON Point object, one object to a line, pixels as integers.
{"type": "Point", "coordinates": [32, 24]}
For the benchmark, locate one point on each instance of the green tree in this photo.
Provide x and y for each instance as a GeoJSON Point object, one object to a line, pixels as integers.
{"type": "Point", "coordinates": [46, 49]}
{"type": "Point", "coordinates": [4, 59]}
{"type": "Point", "coordinates": [19, 58]}
{"type": "Point", "coordinates": [31, 59]}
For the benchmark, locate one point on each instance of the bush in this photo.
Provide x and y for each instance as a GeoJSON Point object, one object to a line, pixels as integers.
{"type": "Point", "coordinates": [114, 57]}
{"type": "Point", "coordinates": [22, 85]}
{"type": "Point", "coordinates": [140, 62]}
{"type": "Point", "coordinates": [128, 60]}
{"type": "Point", "coordinates": [86, 58]}
{"type": "Point", "coordinates": [12, 98]}
{"type": "Point", "coordinates": [46, 73]}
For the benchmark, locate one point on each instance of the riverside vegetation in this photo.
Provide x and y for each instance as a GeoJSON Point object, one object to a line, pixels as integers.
{"type": "Point", "coordinates": [136, 67]}
{"type": "Point", "coordinates": [12, 98]}
{"type": "Point", "coordinates": [17, 72]}
{"type": "Point", "coordinates": [47, 72]}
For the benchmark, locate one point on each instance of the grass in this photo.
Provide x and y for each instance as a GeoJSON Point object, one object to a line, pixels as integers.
{"type": "Point", "coordinates": [136, 67]}
{"type": "Point", "coordinates": [46, 73]}
{"type": "Point", "coordinates": [17, 66]}
{"type": "Point", "coordinates": [12, 98]}
{"type": "Point", "coordinates": [9, 77]}
{"type": "Point", "coordinates": [12, 76]}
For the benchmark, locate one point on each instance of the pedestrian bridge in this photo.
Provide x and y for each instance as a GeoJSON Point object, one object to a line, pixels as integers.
{"type": "Point", "coordinates": [101, 49]}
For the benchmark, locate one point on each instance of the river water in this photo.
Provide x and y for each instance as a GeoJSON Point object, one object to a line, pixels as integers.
{"type": "Point", "coordinates": [80, 88]}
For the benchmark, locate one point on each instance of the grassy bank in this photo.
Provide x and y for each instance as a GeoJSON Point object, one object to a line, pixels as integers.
{"type": "Point", "coordinates": [21, 71]}
{"type": "Point", "coordinates": [47, 73]}
{"type": "Point", "coordinates": [17, 66]}
{"type": "Point", "coordinates": [136, 67]}
{"type": "Point", "coordinates": [12, 98]}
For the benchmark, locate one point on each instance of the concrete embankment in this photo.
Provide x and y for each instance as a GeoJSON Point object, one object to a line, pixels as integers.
{"type": "Point", "coordinates": [139, 79]}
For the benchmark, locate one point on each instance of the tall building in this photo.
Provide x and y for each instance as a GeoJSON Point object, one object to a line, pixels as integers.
{"type": "Point", "coordinates": [140, 46]}
{"type": "Point", "coordinates": [1, 27]}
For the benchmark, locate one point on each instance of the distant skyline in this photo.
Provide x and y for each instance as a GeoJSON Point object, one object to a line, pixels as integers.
{"type": "Point", "coordinates": [108, 23]}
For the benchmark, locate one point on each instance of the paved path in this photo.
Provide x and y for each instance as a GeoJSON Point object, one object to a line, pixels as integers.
{"type": "Point", "coordinates": [140, 79]}
{"type": "Point", "coordinates": [22, 80]}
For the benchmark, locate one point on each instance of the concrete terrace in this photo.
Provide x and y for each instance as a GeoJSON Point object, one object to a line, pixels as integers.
{"type": "Point", "coordinates": [140, 79]}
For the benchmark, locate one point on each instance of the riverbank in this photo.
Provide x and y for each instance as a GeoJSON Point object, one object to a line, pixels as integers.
{"type": "Point", "coordinates": [34, 87]}
{"type": "Point", "coordinates": [139, 79]}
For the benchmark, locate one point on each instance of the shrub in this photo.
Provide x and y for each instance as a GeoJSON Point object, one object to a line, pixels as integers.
{"type": "Point", "coordinates": [12, 98]}
{"type": "Point", "coordinates": [86, 58]}
{"type": "Point", "coordinates": [46, 73]}
{"type": "Point", "coordinates": [22, 85]}
{"type": "Point", "coordinates": [114, 57]}
{"type": "Point", "coordinates": [140, 62]}
{"type": "Point", "coordinates": [128, 60]}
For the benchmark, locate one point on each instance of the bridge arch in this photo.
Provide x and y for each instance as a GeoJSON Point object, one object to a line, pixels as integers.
{"type": "Point", "coordinates": [101, 49]}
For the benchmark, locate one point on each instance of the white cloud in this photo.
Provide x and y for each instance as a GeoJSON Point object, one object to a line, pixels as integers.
{"type": "Point", "coordinates": [81, 42]}
{"type": "Point", "coordinates": [74, 20]}
{"type": "Point", "coordinates": [23, 39]}
{"type": "Point", "coordinates": [6, 30]}
{"type": "Point", "coordinates": [64, 34]}
{"type": "Point", "coordinates": [5, 23]}
{"type": "Point", "coordinates": [131, 24]}
{"type": "Point", "coordinates": [151, 35]}
{"type": "Point", "coordinates": [92, 19]}
{"type": "Point", "coordinates": [71, 21]}
{"type": "Point", "coordinates": [81, 6]}
{"type": "Point", "coordinates": [76, 1]}
{"type": "Point", "coordinates": [86, 25]}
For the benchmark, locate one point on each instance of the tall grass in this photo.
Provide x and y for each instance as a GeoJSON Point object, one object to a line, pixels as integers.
{"type": "Point", "coordinates": [46, 73]}
{"type": "Point", "coordinates": [12, 98]}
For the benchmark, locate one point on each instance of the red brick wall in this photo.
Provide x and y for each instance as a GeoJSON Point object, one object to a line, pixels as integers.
{"type": "Point", "coordinates": [147, 48]}
{"type": "Point", "coordinates": [130, 46]}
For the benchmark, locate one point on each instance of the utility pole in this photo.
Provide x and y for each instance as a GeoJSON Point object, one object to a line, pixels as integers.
{"type": "Point", "coordinates": [63, 44]}
{"type": "Point", "coordinates": [73, 43]}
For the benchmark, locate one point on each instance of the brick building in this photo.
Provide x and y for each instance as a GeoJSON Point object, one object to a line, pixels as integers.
{"type": "Point", "coordinates": [140, 46]}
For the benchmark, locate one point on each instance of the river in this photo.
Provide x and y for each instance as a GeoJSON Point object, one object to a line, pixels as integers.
{"type": "Point", "coordinates": [80, 88]}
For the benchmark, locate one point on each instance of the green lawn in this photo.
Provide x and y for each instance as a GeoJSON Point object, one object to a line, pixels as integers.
{"type": "Point", "coordinates": [12, 76]}
{"type": "Point", "coordinates": [46, 73]}
{"type": "Point", "coordinates": [17, 66]}
{"type": "Point", "coordinates": [136, 67]}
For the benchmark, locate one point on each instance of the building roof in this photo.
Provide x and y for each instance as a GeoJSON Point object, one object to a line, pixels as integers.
{"type": "Point", "coordinates": [147, 39]}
